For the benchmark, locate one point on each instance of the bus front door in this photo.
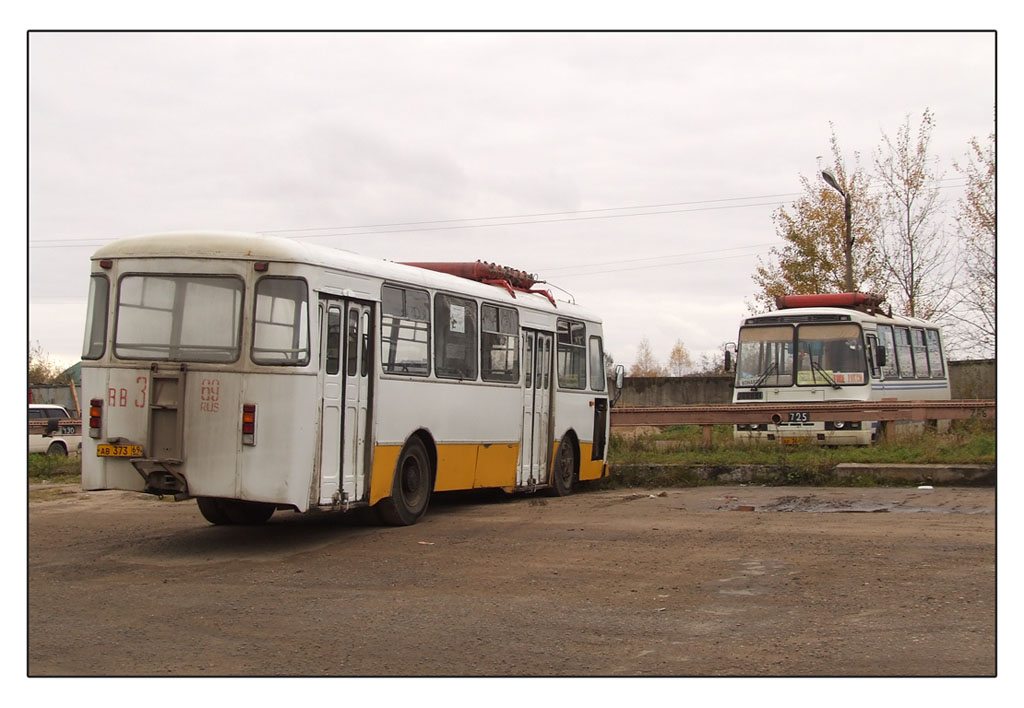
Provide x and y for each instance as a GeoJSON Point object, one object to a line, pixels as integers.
{"type": "Point", "coordinates": [345, 373]}
{"type": "Point", "coordinates": [533, 452]}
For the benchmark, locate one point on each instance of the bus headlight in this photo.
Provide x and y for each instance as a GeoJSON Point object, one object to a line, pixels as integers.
{"type": "Point", "coordinates": [842, 425]}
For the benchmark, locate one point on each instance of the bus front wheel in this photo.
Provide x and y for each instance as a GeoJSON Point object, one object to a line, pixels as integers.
{"type": "Point", "coordinates": [411, 488]}
{"type": "Point", "coordinates": [564, 473]}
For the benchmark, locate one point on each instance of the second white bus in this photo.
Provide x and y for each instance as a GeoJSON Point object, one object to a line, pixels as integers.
{"type": "Point", "coordinates": [834, 348]}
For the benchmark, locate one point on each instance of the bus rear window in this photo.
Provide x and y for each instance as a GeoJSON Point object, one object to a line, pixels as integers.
{"type": "Point", "coordinates": [96, 318]}
{"type": "Point", "coordinates": [179, 318]}
{"type": "Point", "coordinates": [281, 322]}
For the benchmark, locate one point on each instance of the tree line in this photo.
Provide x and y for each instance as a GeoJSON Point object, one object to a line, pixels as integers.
{"type": "Point", "coordinates": [930, 258]}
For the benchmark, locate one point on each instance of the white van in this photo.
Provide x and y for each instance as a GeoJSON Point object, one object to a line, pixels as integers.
{"type": "Point", "coordinates": [51, 430]}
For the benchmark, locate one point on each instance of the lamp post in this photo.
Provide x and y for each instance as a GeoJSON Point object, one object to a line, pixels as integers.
{"type": "Point", "coordinates": [832, 182]}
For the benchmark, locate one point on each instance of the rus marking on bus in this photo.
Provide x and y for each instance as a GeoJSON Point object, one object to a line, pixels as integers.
{"type": "Point", "coordinates": [256, 374]}
{"type": "Point", "coordinates": [832, 348]}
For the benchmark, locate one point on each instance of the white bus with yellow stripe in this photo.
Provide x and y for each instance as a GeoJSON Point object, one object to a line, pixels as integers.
{"type": "Point", "coordinates": [256, 374]}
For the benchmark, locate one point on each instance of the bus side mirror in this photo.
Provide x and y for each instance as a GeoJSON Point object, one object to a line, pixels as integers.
{"type": "Point", "coordinates": [880, 355]}
{"type": "Point", "coordinates": [620, 376]}
{"type": "Point", "coordinates": [728, 361]}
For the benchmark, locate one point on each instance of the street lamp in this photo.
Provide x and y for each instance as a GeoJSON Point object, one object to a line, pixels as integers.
{"type": "Point", "coordinates": [831, 181]}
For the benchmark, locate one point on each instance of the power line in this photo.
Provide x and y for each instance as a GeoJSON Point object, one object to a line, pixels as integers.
{"type": "Point", "coordinates": [534, 219]}
{"type": "Point", "coordinates": [69, 242]}
{"type": "Point", "coordinates": [530, 216]}
{"type": "Point", "coordinates": [651, 258]}
{"type": "Point", "coordinates": [657, 265]}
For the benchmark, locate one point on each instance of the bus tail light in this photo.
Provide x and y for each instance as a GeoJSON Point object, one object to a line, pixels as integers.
{"type": "Point", "coordinates": [95, 417]}
{"type": "Point", "coordinates": [249, 424]}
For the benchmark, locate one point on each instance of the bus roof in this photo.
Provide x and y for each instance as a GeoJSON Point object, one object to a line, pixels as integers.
{"type": "Point", "coordinates": [795, 315]}
{"type": "Point", "coordinates": [255, 247]}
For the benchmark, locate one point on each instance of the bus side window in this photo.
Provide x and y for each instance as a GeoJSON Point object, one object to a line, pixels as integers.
{"type": "Point", "coordinates": [935, 364]}
{"type": "Point", "coordinates": [920, 349]}
{"type": "Point", "coordinates": [499, 344]}
{"type": "Point", "coordinates": [904, 353]}
{"type": "Point", "coordinates": [455, 336]}
{"type": "Point", "coordinates": [572, 354]}
{"type": "Point", "coordinates": [405, 331]}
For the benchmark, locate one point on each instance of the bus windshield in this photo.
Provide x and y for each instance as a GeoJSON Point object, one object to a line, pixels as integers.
{"type": "Point", "coordinates": [765, 356]}
{"type": "Point", "coordinates": [825, 354]}
{"type": "Point", "coordinates": [830, 354]}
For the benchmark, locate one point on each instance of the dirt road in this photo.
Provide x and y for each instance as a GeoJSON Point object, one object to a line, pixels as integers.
{"type": "Point", "coordinates": [707, 581]}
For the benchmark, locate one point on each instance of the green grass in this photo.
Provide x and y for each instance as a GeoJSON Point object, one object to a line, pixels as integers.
{"type": "Point", "coordinates": [46, 469]}
{"type": "Point", "coordinates": [682, 448]}
{"type": "Point", "coordinates": [966, 443]}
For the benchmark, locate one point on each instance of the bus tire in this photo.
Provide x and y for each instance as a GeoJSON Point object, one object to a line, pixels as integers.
{"type": "Point", "coordinates": [247, 513]}
{"type": "Point", "coordinates": [563, 474]}
{"type": "Point", "coordinates": [411, 487]}
{"type": "Point", "coordinates": [212, 511]}
{"type": "Point", "coordinates": [57, 449]}
{"type": "Point", "coordinates": [221, 512]}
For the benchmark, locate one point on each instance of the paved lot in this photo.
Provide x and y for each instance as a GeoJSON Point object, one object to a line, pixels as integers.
{"type": "Point", "coordinates": [707, 581]}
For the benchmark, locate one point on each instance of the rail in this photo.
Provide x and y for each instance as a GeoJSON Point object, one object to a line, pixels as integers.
{"type": "Point", "coordinates": [774, 413]}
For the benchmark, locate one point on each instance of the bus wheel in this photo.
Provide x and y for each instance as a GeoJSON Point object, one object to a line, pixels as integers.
{"type": "Point", "coordinates": [247, 513]}
{"type": "Point", "coordinates": [410, 490]}
{"type": "Point", "coordinates": [564, 473]}
{"type": "Point", "coordinates": [211, 510]}
{"type": "Point", "coordinates": [234, 511]}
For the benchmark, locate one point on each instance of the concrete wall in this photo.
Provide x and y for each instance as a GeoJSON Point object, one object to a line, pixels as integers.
{"type": "Point", "coordinates": [974, 379]}
{"type": "Point", "coordinates": [661, 391]}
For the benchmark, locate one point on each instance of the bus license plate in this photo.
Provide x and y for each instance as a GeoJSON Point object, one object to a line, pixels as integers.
{"type": "Point", "coordinates": [119, 450]}
{"type": "Point", "coordinates": [800, 417]}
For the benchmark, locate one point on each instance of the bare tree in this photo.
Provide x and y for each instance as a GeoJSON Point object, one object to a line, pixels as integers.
{"type": "Point", "coordinates": [976, 221]}
{"type": "Point", "coordinates": [917, 258]}
{"type": "Point", "coordinates": [646, 364]}
{"type": "Point", "coordinates": [679, 360]}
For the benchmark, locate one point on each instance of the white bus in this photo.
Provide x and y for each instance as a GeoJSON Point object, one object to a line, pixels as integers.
{"type": "Point", "coordinates": [834, 348]}
{"type": "Point", "coordinates": [256, 374]}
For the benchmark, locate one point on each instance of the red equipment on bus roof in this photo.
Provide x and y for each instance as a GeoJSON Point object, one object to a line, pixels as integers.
{"type": "Point", "coordinates": [509, 278]}
{"type": "Point", "coordinates": [868, 302]}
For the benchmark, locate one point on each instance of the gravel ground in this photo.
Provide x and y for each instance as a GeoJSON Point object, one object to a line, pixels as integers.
{"type": "Point", "coordinates": [708, 581]}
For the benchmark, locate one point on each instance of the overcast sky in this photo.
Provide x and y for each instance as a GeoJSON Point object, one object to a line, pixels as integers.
{"type": "Point", "coordinates": [638, 172]}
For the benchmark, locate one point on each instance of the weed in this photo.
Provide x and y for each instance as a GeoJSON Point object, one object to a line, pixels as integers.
{"type": "Point", "coordinates": [54, 469]}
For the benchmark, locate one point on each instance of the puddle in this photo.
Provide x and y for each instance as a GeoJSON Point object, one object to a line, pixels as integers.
{"type": "Point", "coordinates": [817, 505]}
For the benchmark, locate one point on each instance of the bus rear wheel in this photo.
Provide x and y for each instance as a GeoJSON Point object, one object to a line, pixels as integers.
{"type": "Point", "coordinates": [212, 511]}
{"type": "Point", "coordinates": [221, 512]}
{"type": "Point", "coordinates": [411, 488]}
